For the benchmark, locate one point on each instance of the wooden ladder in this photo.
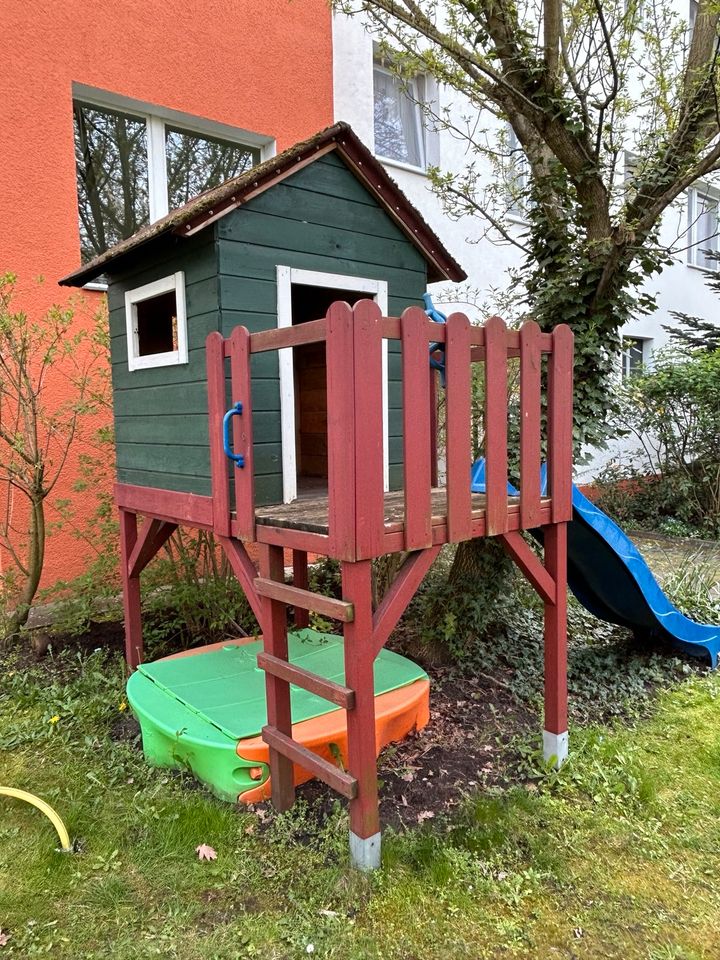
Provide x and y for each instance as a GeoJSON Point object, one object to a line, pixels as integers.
{"type": "Point", "coordinates": [280, 673]}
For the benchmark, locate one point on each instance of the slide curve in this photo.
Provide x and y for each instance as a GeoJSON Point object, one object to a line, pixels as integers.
{"type": "Point", "coordinates": [609, 577]}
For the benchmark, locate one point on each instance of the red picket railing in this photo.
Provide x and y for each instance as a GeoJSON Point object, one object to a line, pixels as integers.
{"type": "Point", "coordinates": [356, 504]}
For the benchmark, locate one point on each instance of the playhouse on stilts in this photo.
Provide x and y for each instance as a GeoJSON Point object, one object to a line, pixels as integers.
{"type": "Point", "coordinates": [272, 384]}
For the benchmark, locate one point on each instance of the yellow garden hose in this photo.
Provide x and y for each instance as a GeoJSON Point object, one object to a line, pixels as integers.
{"type": "Point", "coordinates": [46, 809]}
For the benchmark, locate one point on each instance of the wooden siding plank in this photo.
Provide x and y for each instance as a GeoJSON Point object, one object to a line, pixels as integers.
{"type": "Point", "coordinates": [327, 689]}
{"type": "Point", "coordinates": [560, 423]}
{"type": "Point", "coordinates": [458, 371]}
{"type": "Point", "coordinates": [417, 427]}
{"type": "Point", "coordinates": [368, 415]}
{"type": "Point", "coordinates": [216, 410]}
{"type": "Point", "coordinates": [496, 417]}
{"type": "Point", "coordinates": [167, 505]}
{"type": "Point", "coordinates": [341, 430]}
{"type": "Point", "coordinates": [530, 411]}
{"type": "Point", "coordinates": [306, 599]}
{"type": "Point", "coordinates": [243, 477]}
{"type": "Point", "coordinates": [258, 228]}
{"type": "Point", "coordinates": [277, 691]}
{"type": "Point", "coordinates": [343, 783]}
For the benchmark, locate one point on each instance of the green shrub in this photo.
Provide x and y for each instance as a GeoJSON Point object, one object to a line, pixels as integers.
{"type": "Point", "coordinates": [673, 412]}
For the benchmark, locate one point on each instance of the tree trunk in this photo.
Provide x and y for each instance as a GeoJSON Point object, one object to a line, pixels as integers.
{"type": "Point", "coordinates": [36, 559]}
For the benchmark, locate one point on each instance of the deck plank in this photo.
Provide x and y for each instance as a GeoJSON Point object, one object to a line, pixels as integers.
{"type": "Point", "coordinates": [310, 514]}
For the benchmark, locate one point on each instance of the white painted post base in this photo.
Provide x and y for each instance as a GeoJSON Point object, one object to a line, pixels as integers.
{"type": "Point", "coordinates": [555, 748]}
{"type": "Point", "coordinates": [365, 852]}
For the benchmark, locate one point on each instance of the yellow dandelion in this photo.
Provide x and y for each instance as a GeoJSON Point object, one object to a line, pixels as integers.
{"type": "Point", "coordinates": [122, 707]}
{"type": "Point", "coordinates": [54, 719]}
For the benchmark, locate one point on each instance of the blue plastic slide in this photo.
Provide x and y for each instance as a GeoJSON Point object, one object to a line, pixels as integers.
{"type": "Point", "coordinates": [609, 577]}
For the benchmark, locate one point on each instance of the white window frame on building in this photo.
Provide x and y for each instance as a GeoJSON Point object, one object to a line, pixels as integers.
{"type": "Point", "coordinates": [697, 245]}
{"type": "Point", "coordinates": [174, 283]}
{"type": "Point", "coordinates": [157, 119]}
{"type": "Point", "coordinates": [634, 355]}
{"type": "Point", "coordinates": [414, 90]}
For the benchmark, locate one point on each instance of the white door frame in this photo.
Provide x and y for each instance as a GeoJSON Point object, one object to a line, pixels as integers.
{"type": "Point", "coordinates": [377, 290]}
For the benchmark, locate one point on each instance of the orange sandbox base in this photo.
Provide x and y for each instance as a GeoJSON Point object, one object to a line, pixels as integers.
{"type": "Point", "coordinates": [397, 713]}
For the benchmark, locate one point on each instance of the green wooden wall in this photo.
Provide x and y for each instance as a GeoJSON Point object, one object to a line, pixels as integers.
{"type": "Point", "coordinates": [322, 219]}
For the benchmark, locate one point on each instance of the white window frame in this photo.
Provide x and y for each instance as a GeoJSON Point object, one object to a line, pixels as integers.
{"type": "Point", "coordinates": [174, 283]}
{"type": "Point", "coordinates": [645, 346]}
{"type": "Point", "coordinates": [287, 276]}
{"type": "Point", "coordinates": [695, 246]}
{"type": "Point", "coordinates": [419, 79]}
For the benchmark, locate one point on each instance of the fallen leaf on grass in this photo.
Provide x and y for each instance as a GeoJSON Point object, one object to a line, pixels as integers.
{"type": "Point", "coordinates": [4, 938]}
{"type": "Point", "coordinates": [425, 815]}
{"type": "Point", "coordinates": [205, 852]}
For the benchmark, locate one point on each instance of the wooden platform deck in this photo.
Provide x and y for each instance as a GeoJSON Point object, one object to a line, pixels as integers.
{"type": "Point", "coordinates": [310, 513]}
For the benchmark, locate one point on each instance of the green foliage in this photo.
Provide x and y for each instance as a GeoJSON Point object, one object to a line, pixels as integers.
{"type": "Point", "coordinates": [192, 596]}
{"type": "Point", "coordinates": [673, 411]}
{"type": "Point", "coordinates": [53, 380]}
{"type": "Point", "coordinates": [495, 626]}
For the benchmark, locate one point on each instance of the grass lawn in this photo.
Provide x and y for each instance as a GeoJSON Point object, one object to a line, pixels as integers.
{"type": "Point", "coordinates": [616, 856]}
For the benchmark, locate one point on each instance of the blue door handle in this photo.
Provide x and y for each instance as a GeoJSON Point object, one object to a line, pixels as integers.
{"type": "Point", "coordinates": [237, 458]}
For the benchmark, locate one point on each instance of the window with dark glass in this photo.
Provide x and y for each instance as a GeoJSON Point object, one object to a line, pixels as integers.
{"type": "Point", "coordinates": [123, 180]}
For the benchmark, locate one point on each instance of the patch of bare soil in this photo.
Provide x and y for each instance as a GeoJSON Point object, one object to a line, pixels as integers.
{"type": "Point", "coordinates": [464, 748]}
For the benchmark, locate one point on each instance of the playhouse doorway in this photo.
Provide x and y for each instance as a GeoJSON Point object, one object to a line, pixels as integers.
{"type": "Point", "coordinates": [305, 295]}
{"type": "Point", "coordinates": [310, 374]}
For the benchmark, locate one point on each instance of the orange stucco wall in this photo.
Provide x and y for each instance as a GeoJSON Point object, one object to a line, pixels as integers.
{"type": "Point", "coordinates": [262, 65]}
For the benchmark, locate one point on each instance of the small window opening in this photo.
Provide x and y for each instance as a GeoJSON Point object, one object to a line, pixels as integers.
{"type": "Point", "coordinates": [157, 329]}
{"type": "Point", "coordinates": [156, 323]}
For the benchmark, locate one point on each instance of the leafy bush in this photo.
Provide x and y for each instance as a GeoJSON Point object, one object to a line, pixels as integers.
{"type": "Point", "coordinates": [673, 411]}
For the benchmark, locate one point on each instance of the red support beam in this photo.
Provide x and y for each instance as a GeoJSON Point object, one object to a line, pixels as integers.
{"type": "Point", "coordinates": [131, 591]}
{"type": "Point", "coordinates": [496, 418]}
{"type": "Point", "coordinates": [341, 430]}
{"type": "Point", "coordinates": [530, 564]}
{"type": "Point", "coordinates": [277, 690]}
{"type": "Point", "coordinates": [153, 534]}
{"type": "Point", "coordinates": [301, 580]}
{"type": "Point", "coordinates": [530, 409]}
{"type": "Point", "coordinates": [368, 413]}
{"type": "Point", "coordinates": [244, 570]}
{"type": "Point", "coordinates": [243, 477]}
{"type": "Point", "coordinates": [219, 467]}
{"type": "Point", "coordinates": [401, 592]}
{"type": "Point", "coordinates": [359, 659]}
{"type": "Point", "coordinates": [556, 721]}
{"type": "Point", "coordinates": [560, 423]}
{"type": "Point", "coordinates": [417, 426]}
{"type": "Point", "coordinates": [457, 430]}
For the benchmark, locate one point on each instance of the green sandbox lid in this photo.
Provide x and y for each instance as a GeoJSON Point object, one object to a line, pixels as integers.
{"type": "Point", "coordinates": [226, 687]}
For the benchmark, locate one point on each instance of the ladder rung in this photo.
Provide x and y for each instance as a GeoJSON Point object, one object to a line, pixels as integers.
{"type": "Point", "coordinates": [328, 689]}
{"type": "Point", "coordinates": [343, 782]}
{"type": "Point", "coordinates": [305, 599]}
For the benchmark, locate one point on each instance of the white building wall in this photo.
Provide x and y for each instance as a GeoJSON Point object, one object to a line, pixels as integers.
{"type": "Point", "coordinates": [680, 287]}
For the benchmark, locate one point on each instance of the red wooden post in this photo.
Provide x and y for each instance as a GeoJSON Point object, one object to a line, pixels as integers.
{"type": "Point", "coordinates": [219, 469]}
{"type": "Point", "coordinates": [275, 643]}
{"type": "Point", "coordinates": [300, 579]}
{"type": "Point", "coordinates": [496, 415]}
{"type": "Point", "coordinates": [131, 591]}
{"type": "Point", "coordinates": [555, 736]}
{"type": "Point", "coordinates": [368, 388]}
{"type": "Point", "coordinates": [560, 423]}
{"type": "Point", "coordinates": [362, 750]}
{"type": "Point", "coordinates": [341, 430]}
{"type": "Point", "coordinates": [244, 477]}
{"type": "Point", "coordinates": [434, 427]}
{"type": "Point", "coordinates": [457, 431]}
{"type": "Point", "coordinates": [417, 443]}
{"type": "Point", "coordinates": [530, 409]}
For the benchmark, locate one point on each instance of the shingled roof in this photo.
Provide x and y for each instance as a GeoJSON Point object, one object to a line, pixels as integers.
{"type": "Point", "coordinates": [219, 201]}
